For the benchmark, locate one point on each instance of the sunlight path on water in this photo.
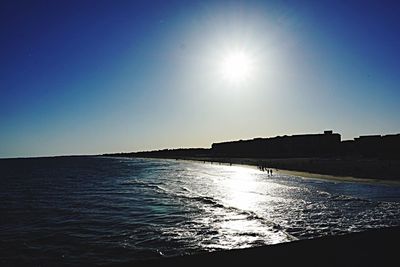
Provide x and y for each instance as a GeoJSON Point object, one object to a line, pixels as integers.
{"type": "Point", "coordinates": [123, 209]}
{"type": "Point", "coordinates": [246, 207]}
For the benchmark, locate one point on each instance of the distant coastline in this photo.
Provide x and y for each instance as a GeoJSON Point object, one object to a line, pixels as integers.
{"type": "Point", "coordinates": [349, 170]}
{"type": "Point", "coordinates": [369, 157]}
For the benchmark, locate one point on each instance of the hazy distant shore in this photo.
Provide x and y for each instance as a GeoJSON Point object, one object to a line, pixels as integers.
{"type": "Point", "coordinates": [342, 169]}
{"type": "Point", "coordinates": [366, 157]}
{"type": "Point", "coordinates": [369, 248]}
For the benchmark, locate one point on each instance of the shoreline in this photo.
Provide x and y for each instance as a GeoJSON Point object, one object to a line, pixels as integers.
{"type": "Point", "coordinates": [254, 163]}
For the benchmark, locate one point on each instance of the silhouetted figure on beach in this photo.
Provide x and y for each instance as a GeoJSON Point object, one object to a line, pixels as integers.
{"type": "Point", "coordinates": [261, 167]}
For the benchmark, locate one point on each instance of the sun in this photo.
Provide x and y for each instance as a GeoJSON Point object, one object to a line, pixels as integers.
{"type": "Point", "coordinates": [236, 67]}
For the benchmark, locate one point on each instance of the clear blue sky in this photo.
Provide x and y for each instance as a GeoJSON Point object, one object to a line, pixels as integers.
{"type": "Point", "coordinates": [87, 77]}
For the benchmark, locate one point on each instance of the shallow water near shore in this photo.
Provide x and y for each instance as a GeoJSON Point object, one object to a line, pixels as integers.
{"type": "Point", "coordinates": [105, 210]}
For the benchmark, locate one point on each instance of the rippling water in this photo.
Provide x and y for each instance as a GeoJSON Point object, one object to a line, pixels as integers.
{"type": "Point", "coordinates": [107, 210]}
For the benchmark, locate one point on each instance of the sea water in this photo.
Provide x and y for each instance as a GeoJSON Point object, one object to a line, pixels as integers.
{"type": "Point", "coordinates": [102, 210]}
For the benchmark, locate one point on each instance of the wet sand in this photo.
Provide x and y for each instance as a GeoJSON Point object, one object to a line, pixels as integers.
{"type": "Point", "coordinates": [369, 248]}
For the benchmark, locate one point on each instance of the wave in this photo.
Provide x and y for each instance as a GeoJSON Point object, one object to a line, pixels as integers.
{"type": "Point", "coordinates": [216, 203]}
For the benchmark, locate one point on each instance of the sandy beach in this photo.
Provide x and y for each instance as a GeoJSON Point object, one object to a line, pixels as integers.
{"type": "Point", "coordinates": [366, 171]}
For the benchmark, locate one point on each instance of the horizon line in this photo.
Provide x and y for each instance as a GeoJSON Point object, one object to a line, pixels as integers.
{"type": "Point", "coordinates": [160, 149]}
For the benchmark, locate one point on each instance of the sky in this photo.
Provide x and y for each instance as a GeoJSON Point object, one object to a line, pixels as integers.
{"type": "Point", "coordinates": [91, 77]}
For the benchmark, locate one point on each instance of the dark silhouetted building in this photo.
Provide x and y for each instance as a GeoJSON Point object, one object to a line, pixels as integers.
{"type": "Point", "coordinates": [306, 145]}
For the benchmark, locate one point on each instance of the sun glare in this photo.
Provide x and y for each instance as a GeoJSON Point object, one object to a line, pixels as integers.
{"type": "Point", "coordinates": [236, 67]}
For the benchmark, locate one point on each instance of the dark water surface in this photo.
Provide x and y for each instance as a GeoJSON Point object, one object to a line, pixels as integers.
{"type": "Point", "coordinates": [99, 210]}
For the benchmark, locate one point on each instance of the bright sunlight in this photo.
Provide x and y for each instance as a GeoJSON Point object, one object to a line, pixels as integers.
{"type": "Point", "coordinates": [236, 67]}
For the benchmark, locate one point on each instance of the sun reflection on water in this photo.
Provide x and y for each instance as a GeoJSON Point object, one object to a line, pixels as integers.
{"type": "Point", "coordinates": [238, 224]}
{"type": "Point", "coordinates": [240, 187]}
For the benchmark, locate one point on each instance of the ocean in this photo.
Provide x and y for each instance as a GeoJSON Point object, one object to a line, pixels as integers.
{"type": "Point", "coordinates": [104, 210]}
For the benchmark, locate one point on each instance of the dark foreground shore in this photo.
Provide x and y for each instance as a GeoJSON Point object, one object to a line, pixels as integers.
{"type": "Point", "coordinates": [369, 248]}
